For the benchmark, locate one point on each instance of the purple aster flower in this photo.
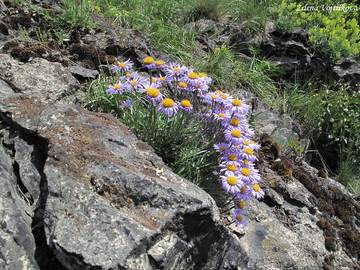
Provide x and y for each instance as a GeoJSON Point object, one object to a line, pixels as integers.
{"type": "Point", "coordinates": [183, 86]}
{"type": "Point", "coordinates": [126, 104]}
{"type": "Point", "coordinates": [117, 88]}
{"type": "Point", "coordinates": [152, 93]}
{"type": "Point", "coordinates": [240, 203]}
{"type": "Point", "coordinates": [159, 64]}
{"type": "Point", "coordinates": [123, 66]}
{"type": "Point", "coordinates": [186, 105]}
{"type": "Point", "coordinates": [248, 153]}
{"type": "Point", "coordinates": [251, 144]}
{"type": "Point", "coordinates": [239, 215]}
{"type": "Point", "coordinates": [175, 70]}
{"type": "Point", "coordinates": [257, 191]}
{"type": "Point", "coordinates": [230, 156]}
{"type": "Point", "coordinates": [168, 107]}
{"type": "Point", "coordinates": [159, 80]}
{"type": "Point", "coordinates": [205, 78]}
{"type": "Point", "coordinates": [249, 132]}
{"type": "Point", "coordinates": [249, 175]}
{"type": "Point", "coordinates": [221, 147]}
{"type": "Point", "coordinates": [231, 183]}
{"type": "Point", "coordinates": [245, 193]}
{"type": "Point", "coordinates": [198, 86]}
{"type": "Point", "coordinates": [229, 168]}
{"type": "Point", "coordinates": [222, 116]}
{"type": "Point", "coordinates": [135, 81]}
{"type": "Point", "coordinates": [234, 135]}
{"type": "Point", "coordinates": [237, 106]}
{"type": "Point", "coordinates": [235, 121]}
{"type": "Point", "coordinates": [211, 98]}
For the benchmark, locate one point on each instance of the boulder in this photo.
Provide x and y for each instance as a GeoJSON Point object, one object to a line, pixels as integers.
{"type": "Point", "coordinates": [104, 199]}
{"type": "Point", "coordinates": [348, 70]}
{"type": "Point", "coordinates": [40, 78]}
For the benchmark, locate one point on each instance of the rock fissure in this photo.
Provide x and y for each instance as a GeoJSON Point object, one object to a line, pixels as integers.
{"type": "Point", "coordinates": [44, 255]}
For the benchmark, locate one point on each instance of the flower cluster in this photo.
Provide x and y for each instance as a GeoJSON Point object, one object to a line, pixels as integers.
{"type": "Point", "coordinates": [170, 88]}
{"type": "Point", "coordinates": [238, 175]}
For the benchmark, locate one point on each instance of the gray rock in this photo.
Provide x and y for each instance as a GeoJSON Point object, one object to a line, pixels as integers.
{"type": "Point", "coordinates": [82, 73]}
{"type": "Point", "coordinates": [80, 191]}
{"type": "Point", "coordinates": [44, 80]}
{"type": "Point", "coordinates": [5, 90]}
{"type": "Point", "coordinates": [349, 70]}
{"type": "Point", "coordinates": [17, 245]}
{"type": "Point", "coordinates": [3, 28]}
{"type": "Point", "coordinates": [2, 6]}
{"type": "Point", "coordinates": [107, 201]}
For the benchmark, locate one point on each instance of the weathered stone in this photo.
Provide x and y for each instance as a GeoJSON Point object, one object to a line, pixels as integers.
{"type": "Point", "coordinates": [109, 200]}
{"type": "Point", "coordinates": [348, 70]}
{"type": "Point", "coordinates": [17, 245]}
{"type": "Point", "coordinates": [5, 90]}
{"type": "Point", "coordinates": [3, 28]}
{"type": "Point", "coordinates": [40, 78]}
{"type": "Point", "coordinates": [82, 73]}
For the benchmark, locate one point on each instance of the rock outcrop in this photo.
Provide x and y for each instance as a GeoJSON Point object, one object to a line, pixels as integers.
{"type": "Point", "coordinates": [80, 191]}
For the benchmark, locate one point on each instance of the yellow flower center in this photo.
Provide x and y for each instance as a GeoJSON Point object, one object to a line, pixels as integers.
{"type": "Point", "coordinates": [231, 180]}
{"type": "Point", "coordinates": [224, 96]}
{"type": "Point", "coordinates": [246, 142]}
{"type": "Point", "coordinates": [239, 217]}
{"type": "Point", "coordinates": [248, 151]}
{"type": "Point", "coordinates": [232, 157]}
{"type": "Point", "coordinates": [231, 167]}
{"type": "Point", "coordinates": [236, 102]}
{"type": "Point", "coordinates": [159, 62]}
{"type": "Point", "coordinates": [153, 79]}
{"type": "Point", "coordinates": [193, 75]}
{"type": "Point", "coordinates": [127, 74]}
{"type": "Point", "coordinates": [221, 115]}
{"type": "Point", "coordinates": [214, 96]}
{"type": "Point", "coordinates": [116, 86]}
{"type": "Point", "coordinates": [122, 64]}
{"type": "Point", "coordinates": [236, 133]}
{"type": "Point", "coordinates": [243, 189]}
{"type": "Point", "coordinates": [246, 162]}
{"type": "Point", "coordinates": [168, 103]}
{"type": "Point", "coordinates": [245, 172]}
{"type": "Point", "coordinates": [235, 122]}
{"type": "Point", "coordinates": [162, 78]}
{"type": "Point", "coordinates": [222, 148]}
{"type": "Point", "coordinates": [152, 92]}
{"type": "Point", "coordinates": [148, 60]}
{"type": "Point", "coordinates": [182, 84]}
{"type": "Point", "coordinates": [256, 187]}
{"type": "Point", "coordinates": [185, 103]}
{"type": "Point", "coordinates": [202, 74]}
{"type": "Point", "coordinates": [176, 69]}
{"type": "Point", "coordinates": [133, 82]}
{"type": "Point", "coordinates": [241, 204]}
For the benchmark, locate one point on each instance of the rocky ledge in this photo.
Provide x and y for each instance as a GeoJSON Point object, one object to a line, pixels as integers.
{"type": "Point", "coordinates": [80, 191]}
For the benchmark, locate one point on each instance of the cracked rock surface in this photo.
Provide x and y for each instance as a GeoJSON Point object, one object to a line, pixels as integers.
{"type": "Point", "coordinates": [104, 199]}
{"type": "Point", "coordinates": [79, 191]}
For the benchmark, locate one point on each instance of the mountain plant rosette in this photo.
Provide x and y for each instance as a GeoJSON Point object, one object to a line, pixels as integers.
{"type": "Point", "coordinates": [176, 93]}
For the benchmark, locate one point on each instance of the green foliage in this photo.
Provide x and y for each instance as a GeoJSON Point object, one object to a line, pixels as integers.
{"type": "Point", "coordinates": [161, 21]}
{"type": "Point", "coordinates": [75, 13]}
{"type": "Point", "coordinates": [194, 162]}
{"type": "Point", "coordinates": [336, 32]}
{"type": "Point", "coordinates": [208, 9]}
{"type": "Point", "coordinates": [349, 173]}
{"type": "Point", "coordinates": [252, 14]}
{"type": "Point", "coordinates": [178, 140]}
